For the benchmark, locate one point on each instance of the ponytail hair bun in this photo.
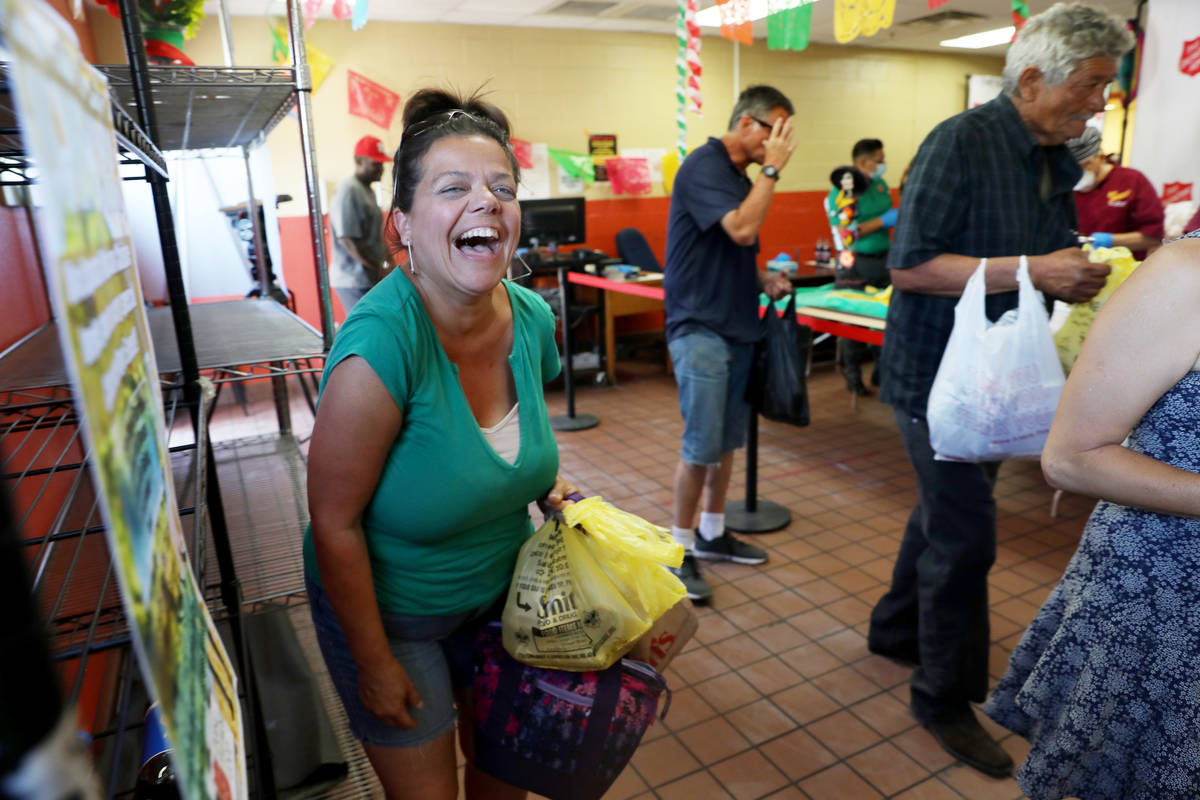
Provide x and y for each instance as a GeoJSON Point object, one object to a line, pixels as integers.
{"type": "Point", "coordinates": [429, 103]}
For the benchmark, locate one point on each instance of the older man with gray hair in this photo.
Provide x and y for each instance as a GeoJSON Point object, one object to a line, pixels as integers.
{"type": "Point", "coordinates": [994, 182]}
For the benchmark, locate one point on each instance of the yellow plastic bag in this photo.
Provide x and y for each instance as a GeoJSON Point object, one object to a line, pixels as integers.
{"type": "Point", "coordinates": [1069, 338]}
{"type": "Point", "coordinates": [586, 590]}
{"type": "Point", "coordinates": [624, 531]}
{"type": "Point", "coordinates": [563, 610]}
{"type": "Point", "coordinates": [633, 552]}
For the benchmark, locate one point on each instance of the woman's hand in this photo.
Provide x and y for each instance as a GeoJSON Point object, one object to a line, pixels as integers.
{"type": "Point", "coordinates": [556, 498]}
{"type": "Point", "coordinates": [388, 693]}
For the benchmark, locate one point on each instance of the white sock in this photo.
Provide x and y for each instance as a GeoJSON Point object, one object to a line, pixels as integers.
{"type": "Point", "coordinates": [684, 536]}
{"type": "Point", "coordinates": [711, 525]}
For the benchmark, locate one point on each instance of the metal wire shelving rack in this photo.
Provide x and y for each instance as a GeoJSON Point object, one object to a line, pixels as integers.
{"type": "Point", "coordinates": [199, 348]}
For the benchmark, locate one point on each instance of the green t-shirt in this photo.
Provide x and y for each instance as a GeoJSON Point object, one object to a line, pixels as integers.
{"type": "Point", "coordinates": [449, 515]}
{"type": "Point", "coordinates": [871, 204]}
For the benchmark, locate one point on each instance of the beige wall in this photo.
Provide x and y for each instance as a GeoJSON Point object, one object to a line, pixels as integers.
{"type": "Point", "coordinates": [557, 86]}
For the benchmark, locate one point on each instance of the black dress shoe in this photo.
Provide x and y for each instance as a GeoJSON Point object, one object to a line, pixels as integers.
{"type": "Point", "coordinates": [965, 739]}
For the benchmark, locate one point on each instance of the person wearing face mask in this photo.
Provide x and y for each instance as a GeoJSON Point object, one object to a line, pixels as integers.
{"type": "Point", "coordinates": [1117, 206]}
{"type": "Point", "coordinates": [873, 220]}
{"type": "Point", "coordinates": [993, 182]}
{"type": "Point", "coordinates": [431, 440]}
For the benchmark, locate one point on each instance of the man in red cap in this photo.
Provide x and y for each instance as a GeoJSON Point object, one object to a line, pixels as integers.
{"type": "Point", "coordinates": [359, 254]}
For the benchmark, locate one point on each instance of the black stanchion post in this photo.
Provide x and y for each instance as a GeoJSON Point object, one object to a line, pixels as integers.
{"type": "Point", "coordinates": [753, 515]}
{"type": "Point", "coordinates": [569, 421]}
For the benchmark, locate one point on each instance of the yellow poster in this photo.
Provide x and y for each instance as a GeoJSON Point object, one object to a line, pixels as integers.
{"type": "Point", "coordinates": [66, 125]}
{"type": "Point", "coordinates": [854, 18]}
{"type": "Point", "coordinates": [670, 165]}
{"type": "Point", "coordinates": [319, 62]}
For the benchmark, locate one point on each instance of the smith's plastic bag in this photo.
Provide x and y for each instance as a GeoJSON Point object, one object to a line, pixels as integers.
{"type": "Point", "coordinates": [563, 611]}
{"type": "Point", "coordinates": [998, 383]}
{"type": "Point", "coordinates": [1069, 338]}
{"type": "Point", "coordinates": [580, 599]}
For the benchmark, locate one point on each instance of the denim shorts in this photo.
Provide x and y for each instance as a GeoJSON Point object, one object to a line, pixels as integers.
{"type": "Point", "coordinates": [437, 652]}
{"type": "Point", "coordinates": [712, 373]}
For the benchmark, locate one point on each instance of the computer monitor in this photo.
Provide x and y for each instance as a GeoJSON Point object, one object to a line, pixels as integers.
{"type": "Point", "coordinates": [553, 222]}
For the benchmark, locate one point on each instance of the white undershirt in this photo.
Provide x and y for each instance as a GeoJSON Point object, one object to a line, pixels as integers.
{"type": "Point", "coordinates": [505, 435]}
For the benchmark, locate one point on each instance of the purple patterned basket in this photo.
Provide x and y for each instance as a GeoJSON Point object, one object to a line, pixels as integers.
{"type": "Point", "coordinates": [563, 735]}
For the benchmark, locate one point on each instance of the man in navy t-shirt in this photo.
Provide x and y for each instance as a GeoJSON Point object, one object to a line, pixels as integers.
{"type": "Point", "coordinates": [712, 283]}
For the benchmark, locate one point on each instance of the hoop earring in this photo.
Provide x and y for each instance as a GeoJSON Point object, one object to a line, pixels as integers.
{"type": "Point", "coordinates": [527, 272]}
{"type": "Point", "coordinates": [412, 265]}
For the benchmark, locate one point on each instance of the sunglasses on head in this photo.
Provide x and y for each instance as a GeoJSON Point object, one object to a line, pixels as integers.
{"type": "Point", "coordinates": [436, 121]}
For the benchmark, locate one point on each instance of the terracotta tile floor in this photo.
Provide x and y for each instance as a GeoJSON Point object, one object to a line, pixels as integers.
{"type": "Point", "coordinates": [777, 696]}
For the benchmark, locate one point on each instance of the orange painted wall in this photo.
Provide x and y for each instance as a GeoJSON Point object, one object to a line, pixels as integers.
{"type": "Point", "coordinates": [23, 303]}
{"type": "Point", "coordinates": [83, 30]}
{"type": "Point", "coordinates": [793, 226]}
{"type": "Point", "coordinates": [794, 222]}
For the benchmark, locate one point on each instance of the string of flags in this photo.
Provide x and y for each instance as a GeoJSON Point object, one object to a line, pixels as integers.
{"type": "Point", "coordinates": [693, 58]}
{"type": "Point", "coordinates": [789, 23]}
{"type": "Point", "coordinates": [854, 18]}
{"type": "Point", "coordinates": [735, 21]}
{"type": "Point", "coordinates": [681, 77]}
{"type": "Point", "coordinates": [1020, 13]}
{"type": "Point", "coordinates": [342, 10]}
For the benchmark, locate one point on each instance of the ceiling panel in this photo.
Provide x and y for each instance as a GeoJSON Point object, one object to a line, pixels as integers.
{"type": "Point", "coordinates": [912, 28]}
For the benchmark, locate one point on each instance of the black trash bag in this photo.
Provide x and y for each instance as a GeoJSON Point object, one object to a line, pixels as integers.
{"type": "Point", "coordinates": [778, 388]}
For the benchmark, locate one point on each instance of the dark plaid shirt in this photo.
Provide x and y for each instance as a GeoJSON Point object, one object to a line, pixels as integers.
{"type": "Point", "coordinates": [974, 190]}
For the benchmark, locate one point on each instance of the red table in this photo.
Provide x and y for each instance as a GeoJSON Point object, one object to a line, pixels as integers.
{"type": "Point", "coordinates": [644, 293]}
{"type": "Point", "coordinates": [845, 324]}
{"type": "Point", "coordinates": [620, 299]}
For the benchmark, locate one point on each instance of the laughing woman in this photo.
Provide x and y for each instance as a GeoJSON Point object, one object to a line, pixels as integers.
{"type": "Point", "coordinates": [431, 440]}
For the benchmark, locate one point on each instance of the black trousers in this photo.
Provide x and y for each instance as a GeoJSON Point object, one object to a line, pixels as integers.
{"type": "Point", "coordinates": [851, 355]}
{"type": "Point", "coordinates": [868, 270]}
{"type": "Point", "coordinates": [936, 612]}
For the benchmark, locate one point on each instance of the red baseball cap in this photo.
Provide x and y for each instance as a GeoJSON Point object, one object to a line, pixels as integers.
{"type": "Point", "coordinates": [372, 148]}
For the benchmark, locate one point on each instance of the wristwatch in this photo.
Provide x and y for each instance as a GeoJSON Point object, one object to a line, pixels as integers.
{"type": "Point", "coordinates": [771, 172]}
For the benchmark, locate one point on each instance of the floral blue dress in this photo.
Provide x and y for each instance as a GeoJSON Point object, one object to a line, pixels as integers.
{"type": "Point", "coordinates": [1106, 682]}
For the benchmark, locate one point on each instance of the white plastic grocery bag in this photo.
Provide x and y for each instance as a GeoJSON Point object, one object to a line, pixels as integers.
{"type": "Point", "coordinates": [998, 384]}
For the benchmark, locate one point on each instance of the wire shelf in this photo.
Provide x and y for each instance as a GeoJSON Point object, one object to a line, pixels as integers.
{"type": "Point", "coordinates": [45, 469]}
{"type": "Point", "coordinates": [211, 107]}
{"type": "Point", "coordinates": [234, 339]}
{"type": "Point", "coordinates": [16, 169]}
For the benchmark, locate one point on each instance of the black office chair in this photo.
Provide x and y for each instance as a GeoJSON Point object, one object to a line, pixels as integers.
{"type": "Point", "coordinates": [634, 250]}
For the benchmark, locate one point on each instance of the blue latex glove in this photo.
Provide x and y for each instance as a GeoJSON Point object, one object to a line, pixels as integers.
{"type": "Point", "coordinates": [1102, 240]}
{"type": "Point", "coordinates": [889, 217]}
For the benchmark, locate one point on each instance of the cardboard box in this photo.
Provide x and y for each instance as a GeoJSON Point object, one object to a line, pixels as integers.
{"type": "Point", "coordinates": [667, 636]}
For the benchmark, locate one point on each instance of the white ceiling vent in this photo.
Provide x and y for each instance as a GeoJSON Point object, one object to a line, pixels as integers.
{"type": "Point", "coordinates": [940, 21]}
{"type": "Point", "coordinates": [662, 13]}
{"type": "Point", "coordinates": [582, 8]}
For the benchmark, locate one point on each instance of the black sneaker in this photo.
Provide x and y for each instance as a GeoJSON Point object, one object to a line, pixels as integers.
{"type": "Point", "coordinates": [688, 573]}
{"type": "Point", "coordinates": [727, 548]}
